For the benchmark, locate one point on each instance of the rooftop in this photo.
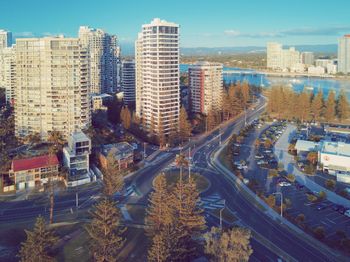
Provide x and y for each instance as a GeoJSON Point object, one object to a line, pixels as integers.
{"type": "Point", "coordinates": [304, 145]}
{"type": "Point", "coordinates": [336, 148]}
{"type": "Point", "coordinates": [80, 136]}
{"type": "Point", "coordinates": [118, 149]}
{"type": "Point", "coordinates": [34, 162]}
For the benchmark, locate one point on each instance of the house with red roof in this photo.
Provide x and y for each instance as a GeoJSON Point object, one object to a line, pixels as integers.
{"type": "Point", "coordinates": [29, 172]}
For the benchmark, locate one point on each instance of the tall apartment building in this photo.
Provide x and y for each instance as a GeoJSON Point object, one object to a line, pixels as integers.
{"type": "Point", "coordinates": [344, 54]}
{"type": "Point", "coordinates": [279, 58]}
{"type": "Point", "coordinates": [5, 39]}
{"type": "Point", "coordinates": [157, 74]}
{"type": "Point", "coordinates": [307, 58]}
{"type": "Point", "coordinates": [128, 81]}
{"type": "Point", "coordinates": [104, 56]}
{"type": "Point", "coordinates": [8, 73]}
{"type": "Point", "coordinates": [206, 87]}
{"type": "Point", "coordinates": [52, 86]}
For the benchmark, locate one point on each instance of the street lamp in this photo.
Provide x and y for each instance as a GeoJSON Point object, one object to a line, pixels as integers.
{"type": "Point", "coordinates": [222, 209]}
{"type": "Point", "coordinates": [280, 193]}
{"type": "Point", "coordinates": [144, 150]}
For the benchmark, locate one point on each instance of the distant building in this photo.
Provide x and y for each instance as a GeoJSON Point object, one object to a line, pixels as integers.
{"type": "Point", "coordinates": [33, 171]}
{"type": "Point", "coordinates": [76, 159]}
{"type": "Point", "coordinates": [281, 59]}
{"type": "Point", "coordinates": [332, 68]}
{"type": "Point", "coordinates": [104, 59]}
{"type": "Point", "coordinates": [51, 86]}
{"type": "Point", "coordinates": [323, 62]}
{"type": "Point", "coordinates": [157, 57]}
{"type": "Point", "coordinates": [344, 54]}
{"type": "Point", "coordinates": [206, 87]}
{"type": "Point", "coordinates": [8, 73]}
{"type": "Point", "coordinates": [316, 70]}
{"type": "Point", "coordinates": [122, 152]}
{"type": "Point", "coordinates": [5, 39]}
{"type": "Point", "coordinates": [298, 68]}
{"type": "Point", "coordinates": [307, 58]}
{"type": "Point", "coordinates": [98, 102]}
{"type": "Point", "coordinates": [128, 81]}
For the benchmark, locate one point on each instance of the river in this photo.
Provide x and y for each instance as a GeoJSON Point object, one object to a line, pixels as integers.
{"type": "Point", "coordinates": [311, 84]}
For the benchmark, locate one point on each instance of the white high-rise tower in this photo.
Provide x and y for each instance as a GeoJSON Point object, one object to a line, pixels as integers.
{"type": "Point", "coordinates": [344, 54]}
{"type": "Point", "coordinates": [157, 74]}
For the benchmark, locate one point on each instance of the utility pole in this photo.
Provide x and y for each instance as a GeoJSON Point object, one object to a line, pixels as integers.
{"type": "Point", "coordinates": [189, 162]}
{"type": "Point", "coordinates": [76, 199]}
{"type": "Point", "coordinates": [221, 214]}
{"type": "Point", "coordinates": [144, 150]}
{"type": "Point", "coordinates": [220, 134]}
{"type": "Point", "coordinates": [245, 116]}
{"type": "Point", "coordinates": [280, 193]}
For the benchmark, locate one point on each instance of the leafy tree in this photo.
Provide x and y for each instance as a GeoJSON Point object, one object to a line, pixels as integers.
{"type": "Point", "coordinates": [160, 250]}
{"type": "Point", "coordinates": [233, 245]}
{"type": "Point", "coordinates": [39, 243]}
{"type": "Point", "coordinates": [105, 231]}
{"type": "Point", "coordinates": [319, 232]}
{"type": "Point", "coordinates": [342, 107]}
{"type": "Point", "coordinates": [312, 157]}
{"type": "Point", "coordinates": [125, 116]}
{"type": "Point", "coordinates": [113, 180]}
{"type": "Point", "coordinates": [300, 218]}
{"type": "Point", "coordinates": [184, 125]}
{"type": "Point", "coordinates": [322, 195]}
{"type": "Point", "coordinates": [330, 107]}
{"type": "Point", "coordinates": [271, 200]}
{"type": "Point", "coordinates": [330, 184]}
{"type": "Point", "coordinates": [291, 178]}
{"type": "Point", "coordinates": [57, 140]}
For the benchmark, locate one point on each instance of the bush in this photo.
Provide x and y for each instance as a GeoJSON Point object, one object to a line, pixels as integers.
{"type": "Point", "coordinates": [291, 178]}
{"type": "Point", "coordinates": [311, 198]}
{"type": "Point", "coordinates": [273, 173]}
{"type": "Point", "coordinates": [300, 218]}
{"type": "Point", "coordinates": [322, 195]}
{"type": "Point", "coordinates": [319, 232]}
{"type": "Point", "coordinates": [343, 193]}
{"type": "Point", "coordinates": [330, 184]}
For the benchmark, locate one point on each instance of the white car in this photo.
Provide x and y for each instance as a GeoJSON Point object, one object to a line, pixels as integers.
{"type": "Point", "coordinates": [347, 213]}
{"type": "Point", "coordinates": [284, 184]}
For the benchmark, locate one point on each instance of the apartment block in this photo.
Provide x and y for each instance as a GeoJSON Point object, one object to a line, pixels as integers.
{"type": "Point", "coordinates": [8, 72]}
{"type": "Point", "coordinates": [157, 74]}
{"type": "Point", "coordinates": [52, 86]}
{"type": "Point", "coordinates": [104, 59]}
{"type": "Point", "coordinates": [5, 39]}
{"type": "Point", "coordinates": [344, 54]}
{"type": "Point", "coordinates": [128, 81]}
{"type": "Point", "coordinates": [206, 87]}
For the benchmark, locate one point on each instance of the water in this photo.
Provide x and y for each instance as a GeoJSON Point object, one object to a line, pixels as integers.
{"type": "Point", "coordinates": [299, 84]}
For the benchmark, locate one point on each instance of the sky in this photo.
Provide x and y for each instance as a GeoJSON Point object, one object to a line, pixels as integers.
{"type": "Point", "coordinates": [204, 23]}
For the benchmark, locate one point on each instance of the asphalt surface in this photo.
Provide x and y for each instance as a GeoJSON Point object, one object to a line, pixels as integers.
{"type": "Point", "coordinates": [142, 180]}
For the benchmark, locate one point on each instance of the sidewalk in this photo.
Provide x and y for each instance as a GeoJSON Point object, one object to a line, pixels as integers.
{"type": "Point", "coordinates": [282, 155]}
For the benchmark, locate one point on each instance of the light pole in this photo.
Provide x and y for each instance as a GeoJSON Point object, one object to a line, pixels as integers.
{"type": "Point", "coordinates": [220, 134]}
{"type": "Point", "coordinates": [222, 209]}
{"type": "Point", "coordinates": [245, 116]}
{"type": "Point", "coordinates": [280, 193]}
{"type": "Point", "coordinates": [76, 200]}
{"type": "Point", "coordinates": [144, 150]}
{"type": "Point", "coordinates": [189, 162]}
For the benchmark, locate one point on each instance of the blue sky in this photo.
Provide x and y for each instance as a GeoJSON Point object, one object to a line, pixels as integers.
{"type": "Point", "coordinates": [204, 23]}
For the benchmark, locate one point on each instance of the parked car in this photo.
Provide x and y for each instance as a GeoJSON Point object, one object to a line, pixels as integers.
{"type": "Point", "coordinates": [336, 207]}
{"type": "Point", "coordinates": [283, 183]}
{"type": "Point", "coordinates": [259, 156]}
{"type": "Point", "coordinates": [347, 213]}
{"type": "Point", "coordinates": [342, 210]}
{"type": "Point", "coordinates": [322, 206]}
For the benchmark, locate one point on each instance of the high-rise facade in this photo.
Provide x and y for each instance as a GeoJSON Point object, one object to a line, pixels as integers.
{"type": "Point", "coordinates": [344, 54]}
{"type": "Point", "coordinates": [206, 87]}
{"type": "Point", "coordinates": [279, 58]}
{"type": "Point", "coordinates": [128, 81]}
{"type": "Point", "coordinates": [5, 39]}
{"type": "Point", "coordinates": [8, 72]}
{"type": "Point", "coordinates": [52, 86]}
{"type": "Point", "coordinates": [104, 57]}
{"type": "Point", "coordinates": [157, 75]}
{"type": "Point", "coordinates": [307, 58]}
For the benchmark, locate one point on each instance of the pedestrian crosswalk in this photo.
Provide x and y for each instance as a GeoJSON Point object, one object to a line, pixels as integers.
{"type": "Point", "coordinates": [213, 202]}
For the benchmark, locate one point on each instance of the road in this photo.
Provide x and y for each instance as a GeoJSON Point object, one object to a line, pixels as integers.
{"type": "Point", "coordinates": [204, 145]}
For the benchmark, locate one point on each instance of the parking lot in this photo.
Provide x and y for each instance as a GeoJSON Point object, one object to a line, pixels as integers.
{"type": "Point", "coordinates": [322, 213]}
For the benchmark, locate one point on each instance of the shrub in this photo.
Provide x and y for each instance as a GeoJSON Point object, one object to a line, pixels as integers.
{"type": "Point", "coordinates": [330, 184]}
{"type": "Point", "coordinates": [311, 198]}
{"type": "Point", "coordinates": [322, 195]}
{"type": "Point", "coordinates": [319, 232]}
{"type": "Point", "coordinates": [273, 173]}
{"type": "Point", "coordinates": [300, 218]}
{"type": "Point", "coordinates": [291, 178]}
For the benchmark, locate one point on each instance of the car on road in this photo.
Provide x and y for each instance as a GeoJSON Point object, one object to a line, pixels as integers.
{"type": "Point", "coordinates": [242, 166]}
{"type": "Point", "coordinates": [347, 213]}
{"type": "Point", "coordinates": [258, 156]}
{"type": "Point", "coordinates": [261, 162]}
{"type": "Point", "coordinates": [283, 184]}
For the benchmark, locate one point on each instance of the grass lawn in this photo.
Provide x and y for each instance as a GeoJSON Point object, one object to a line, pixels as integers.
{"type": "Point", "coordinates": [173, 176]}
{"type": "Point", "coordinates": [137, 212]}
{"type": "Point", "coordinates": [76, 249]}
{"type": "Point", "coordinates": [226, 215]}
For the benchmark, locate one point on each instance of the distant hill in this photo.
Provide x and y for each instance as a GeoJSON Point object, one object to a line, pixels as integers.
{"type": "Point", "coordinates": [128, 49]}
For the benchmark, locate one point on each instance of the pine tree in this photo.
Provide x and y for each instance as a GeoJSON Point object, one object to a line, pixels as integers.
{"type": "Point", "coordinates": [184, 125]}
{"type": "Point", "coordinates": [125, 116]}
{"type": "Point", "coordinates": [330, 107]}
{"type": "Point", "coordinates": [38, 244]}
{"type": "Point", "coordinates": [160, 248]}
{"type": "Point", "coordinates": [245, 93]}
{"type": "Point", "coordinates": [113, 179]}
{"type": "Point", "coordinates": [105, 232]}
{"type": "Point", "coordinates": [317, 106]}
{"type": "Point", "coordinates": [210, 121]}
{"type": "Point", "coordinates": [342, 107]}
{"type": "Point", "coordinates": [159, 213]}
{"type": "Point", "coordinates": [304, 107]}
{"type": "Point", "coordinates": [233, 245]}
{"type": "Point", "coordinates": [161, 134]}
{"type": "Point", "coordinates": [190, 221]}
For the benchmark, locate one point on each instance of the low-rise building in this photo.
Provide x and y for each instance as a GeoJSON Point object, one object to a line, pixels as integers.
{"type": "Point", "coordinates": [122, 152]}
{"type": "Point", "coordinates": [98, 102]}
{"type": "Point", "coordinates": [316, 70]}
{"type": "Point", "coordinates": [76, 159]}
{"type": "Point", "coordinates": [29, 172]}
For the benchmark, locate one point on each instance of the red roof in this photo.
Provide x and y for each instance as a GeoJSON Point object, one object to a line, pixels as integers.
{"type": "Point", "coordinates": [34, 162]}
